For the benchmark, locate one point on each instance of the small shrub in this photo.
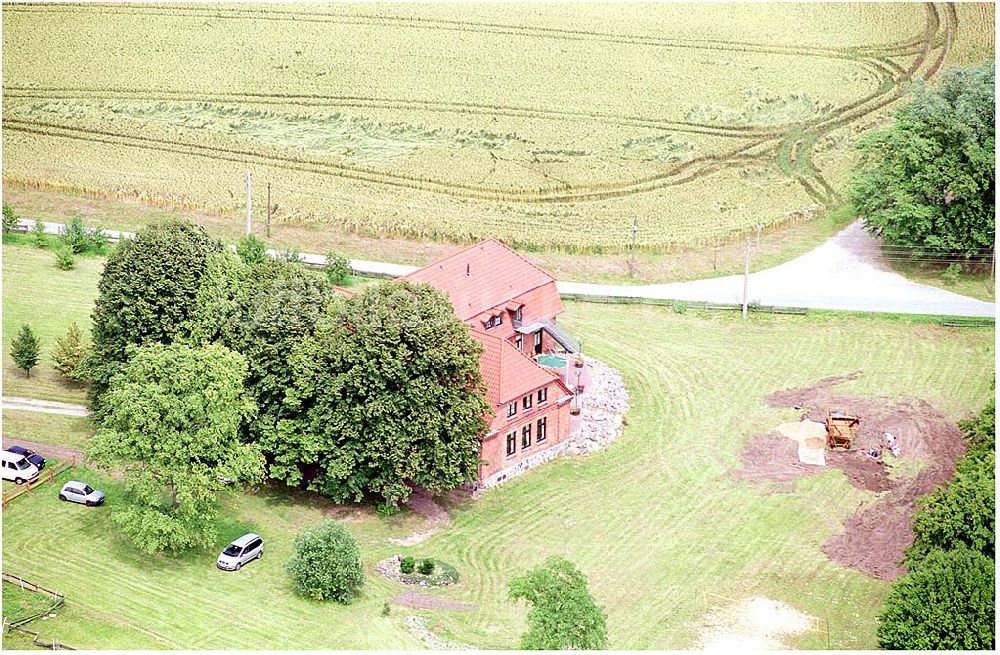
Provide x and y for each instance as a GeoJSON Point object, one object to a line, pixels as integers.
{"type": "Point", "coordinates": [64, 260]}
{"type": "Point", "coordinates": [338, 269]}
{"type": "Point", "coordinates": [251, 250]}
{"type": "Point", "coordinates": [327, 564]}
{"type": "Point", "coordinates": [290, 255]}
{"type": "Point", "coordinates": [427, 567]}
{"type": "Point", "coordinates": [951, 273]}
{"type": "Point", "coordinates": [407, 565]}
{"type": "Point", "coordinates": [38, 232]}
{"type": "Point", "coordinates": [9, 218]}
{"type": "Point", "coordinates": [385, 510]}
{"type": "Point", "coordinates": [81, 239]}
{"type": "Point", "coordinates": [679, 307]}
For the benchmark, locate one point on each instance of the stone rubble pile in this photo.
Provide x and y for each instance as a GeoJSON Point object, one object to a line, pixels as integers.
{"type": "Point", "coordinates": [418, 626]}
{"type": "Point", "coordinates": [602, 407]}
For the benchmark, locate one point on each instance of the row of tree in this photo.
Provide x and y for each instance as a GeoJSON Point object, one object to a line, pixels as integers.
{"type": "Point", "coordinates": [946, 600]}
{"type": "Point", "coordinates": [209, 367]}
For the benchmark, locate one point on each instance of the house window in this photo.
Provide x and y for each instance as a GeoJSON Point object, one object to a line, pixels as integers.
{"type": "Point", "coordinates": [541, 430]}
{"type": "Point", "coordinates": [511, 409]}
{"type": "Point", "coordinates": [519, 342]}
{"type": "Point", "coordinates": [517, 315]}
{"type": "Point", "coordinates": [489, 324]}
{"type": "Point", "coordinates": [526, 436]}
{"type": "Point", "coordinates": [543, 394]}
{"type": "Point", "coordinates": [526, 402]}
{"type": "Point", "coordinates": [511, 443]}
{"type": "Point", "coordinates": [538, 342]}
{"type": "Point", "coordinates": [499, 319]}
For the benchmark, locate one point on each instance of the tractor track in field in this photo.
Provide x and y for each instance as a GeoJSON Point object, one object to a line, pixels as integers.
{"type": "Point", "coordinates": [790, 144]}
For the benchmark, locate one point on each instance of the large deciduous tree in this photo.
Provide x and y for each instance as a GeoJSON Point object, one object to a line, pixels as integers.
{"type": "Point", "coordinates": [261, 310]}
{"type": "Point", "coordinates": [145, 295]}
{"type": "Point", "coordinates": [927, 183]}
{"type": "Point", "coordinates": [387, 393]}
{"type": "Point", "coordinates": [563, 614]}
{"type": "Point", "coordinates": [946, 603]}
{"type": "Point", "coordinates": [172, 425]}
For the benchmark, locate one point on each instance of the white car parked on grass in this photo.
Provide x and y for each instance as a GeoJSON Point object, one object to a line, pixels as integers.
{"type": "Point", "coordinates": [16, 467]}
{"type": "Point", "coordinates": [245, 549]}
{"type": "Point", "coordinates": [81, 492]}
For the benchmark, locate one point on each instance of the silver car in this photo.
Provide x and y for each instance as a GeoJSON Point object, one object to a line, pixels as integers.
{"type": "Point", "coordinates": [245, 549]}
{"type": "Point", "coordinates": [81, 492]}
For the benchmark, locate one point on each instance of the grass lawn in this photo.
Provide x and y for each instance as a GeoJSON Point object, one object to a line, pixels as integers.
{"type": "Point", "coordinates": [55, 429]}
{"type": "Point", "coordinates": [663, 532]}
{"type": "Point", "coordinates": [39, 294]}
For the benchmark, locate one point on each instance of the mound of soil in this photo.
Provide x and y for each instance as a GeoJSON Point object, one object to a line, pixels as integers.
{"type": "Point", "coordinates": [874, 540]}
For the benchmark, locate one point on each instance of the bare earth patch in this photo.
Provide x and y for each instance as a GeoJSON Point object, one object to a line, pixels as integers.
{"type": "Point", "coordinates": [428, 602]}
{"type": "Point", "coordinates": [754, 624]}
{"type": "Point", "coordinates": [874, 540]}
{"type": "Point", "coordinates": [422, 502]}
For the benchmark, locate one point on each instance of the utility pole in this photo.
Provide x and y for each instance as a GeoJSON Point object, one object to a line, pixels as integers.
{"type": "Point", "coordinates": [715, 258]}
{"type": "Point", "coordinates": [759, 227]}
{"type": "Point", "coordinates": [268, 210]}
{"type": "Point", "coordinates": [746, 274]}
{"type": "Point", "coordinates": [635, 233]}
{"type": "Point", "coordinates": [249, 185]}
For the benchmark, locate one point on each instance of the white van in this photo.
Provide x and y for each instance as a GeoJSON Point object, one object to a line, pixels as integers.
{"type": "Point", "coordinates": [17, 468]}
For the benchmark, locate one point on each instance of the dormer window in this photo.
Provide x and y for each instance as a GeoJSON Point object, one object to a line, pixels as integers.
{"type": "Point", "coordinates": [517, 315]}
{"type": "Point", "coordinates": [499, 320]}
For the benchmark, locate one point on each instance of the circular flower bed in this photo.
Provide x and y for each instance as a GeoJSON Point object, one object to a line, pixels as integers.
{"type": "Point", "coordinates": [441, 575]}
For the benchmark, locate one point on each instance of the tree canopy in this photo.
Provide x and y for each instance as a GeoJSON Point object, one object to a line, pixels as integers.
{"type": "Point", "coordinates": [262, 311]}
{"type": "Point", "coordinates": [563, 613]}
{"type": "Point", "coordinates": [387, 392]}
{"type": "Point", "coordinates": [171, 427]}
{"type": "Point", "coordinates": [327, 563]}
{"type": "Point", "coordinates": [927, 183]}
{"type": "Point", "coordinates": [145, 295]}
{"type": "Point", "coordinates": [946, 603]}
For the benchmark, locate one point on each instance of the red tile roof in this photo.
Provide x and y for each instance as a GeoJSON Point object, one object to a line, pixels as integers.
{"type": "Point", "coordinates": [481, 277]}
{"type": "Point", "coordinates": [507, 372]}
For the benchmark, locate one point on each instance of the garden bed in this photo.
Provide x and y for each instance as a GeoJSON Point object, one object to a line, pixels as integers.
{"type": "Point", "coordinates": [443, 574]}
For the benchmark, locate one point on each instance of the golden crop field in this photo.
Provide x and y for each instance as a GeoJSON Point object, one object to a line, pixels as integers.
{"type": "Point", "coordinates": [550, 126]}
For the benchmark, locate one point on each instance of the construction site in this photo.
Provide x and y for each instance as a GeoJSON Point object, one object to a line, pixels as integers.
{"type": "Point", "coordinates": [866, 438]}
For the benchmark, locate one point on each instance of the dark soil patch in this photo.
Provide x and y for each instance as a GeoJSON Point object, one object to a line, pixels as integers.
{"type": "Point", "coordinates": [874, 540]}
{"type": "Point", "coordinates": [774, 459]}
{"type": "Point", "coordinates": [428, 602]}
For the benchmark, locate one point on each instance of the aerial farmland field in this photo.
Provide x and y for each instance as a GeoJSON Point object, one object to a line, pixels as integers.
{"type": "Point", "coordinates": [548, 126]}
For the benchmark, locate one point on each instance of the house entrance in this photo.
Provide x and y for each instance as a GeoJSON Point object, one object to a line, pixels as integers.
{"type": "Point", "coordinates": [538, 342]}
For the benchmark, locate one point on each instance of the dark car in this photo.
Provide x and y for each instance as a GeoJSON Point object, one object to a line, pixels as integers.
{"type": "Point", "coordinates": [30, 455]}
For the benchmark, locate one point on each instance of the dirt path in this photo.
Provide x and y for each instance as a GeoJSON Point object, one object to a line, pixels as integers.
{"type": "Point", "coordinates": [44, 406]}
{"type": "Point", "coordinates": [47, 450]}
{"type": "Point", "coordinates": [422, 502]}
{"type": "Point", "coordinates": [428, 602]}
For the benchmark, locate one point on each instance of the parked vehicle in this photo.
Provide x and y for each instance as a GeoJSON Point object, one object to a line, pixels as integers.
{"type": "Point", "coordinates": [31, 455]}
{"type": "Point", "coordinates": [81, 492]}
{"type": "Point", "coordinates": [245, 549]}
{"type": "Point", "coordinates": [17, 467]}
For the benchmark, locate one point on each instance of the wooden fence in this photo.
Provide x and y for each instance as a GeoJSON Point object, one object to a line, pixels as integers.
{"type": "Point", "coordinates": [48, 475]}
{"type": "Point", "coordinates": [18, 624]}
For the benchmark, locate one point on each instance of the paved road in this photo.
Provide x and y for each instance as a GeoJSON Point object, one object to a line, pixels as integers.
{"type": "Point", "coordinates": [44, 406]}
{"type": "Point", "coordinates": [845, 273]}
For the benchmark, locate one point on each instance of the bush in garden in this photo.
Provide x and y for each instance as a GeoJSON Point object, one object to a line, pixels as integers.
{"type": "Point", "coordinates": [427, 567]}
{"type": "Point", "coordinates": [327, 564]}
{"type": "Point", "coordinates": [407, 564]}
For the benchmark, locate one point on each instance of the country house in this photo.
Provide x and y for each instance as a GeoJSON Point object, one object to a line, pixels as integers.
{"type": "Point", "coordinates": [510, 306]}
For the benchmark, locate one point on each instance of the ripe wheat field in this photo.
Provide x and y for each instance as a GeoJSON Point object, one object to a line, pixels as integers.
{"type": "Point", "coordinates": [549, 126]}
